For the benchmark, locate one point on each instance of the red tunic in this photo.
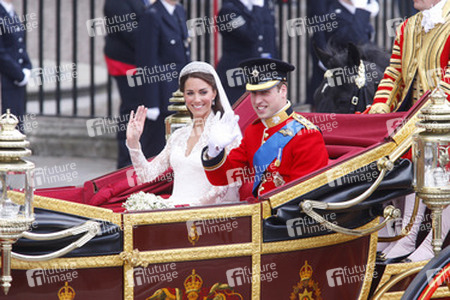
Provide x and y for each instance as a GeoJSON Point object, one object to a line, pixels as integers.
{"type": "Point", "coordinates": [303, 154]}
{"type": "Point", "coordinates": [418, 63]}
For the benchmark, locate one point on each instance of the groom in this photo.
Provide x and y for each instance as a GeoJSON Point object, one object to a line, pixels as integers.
{"type": "Point", "coordinates": [277, 148]}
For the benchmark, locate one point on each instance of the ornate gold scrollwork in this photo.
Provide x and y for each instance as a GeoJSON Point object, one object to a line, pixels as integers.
{"type": "Point", "coordinates": [133, 258]}
{"type": "Point", "coordinates": [193, 235]}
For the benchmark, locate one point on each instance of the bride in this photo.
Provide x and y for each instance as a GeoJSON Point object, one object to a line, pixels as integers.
{"type": "Point", "coordinates": [206, 102]}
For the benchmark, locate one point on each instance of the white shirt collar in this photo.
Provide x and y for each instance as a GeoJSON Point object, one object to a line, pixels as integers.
{"type": "Point", "coordinates": [248, 4]}
{"type": "Point", "coordinates": [9, 7]}
{"type": "Point", "coordinates": [169, 7]}
{"type": "Point", "coordinates": [433, 16]}
{"type": "Point", "coordinates": [349, 7]}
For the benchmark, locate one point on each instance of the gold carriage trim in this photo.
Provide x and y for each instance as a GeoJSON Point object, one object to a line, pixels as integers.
{"type": "Point", "coordinates": [66, 292]}
{"type": "Point", "coordinates": [322, 179]}
{"type": "Point", "coordinates": [406, 130]}
{"type": "Point", "coordinates": [199, 253]}
{"type": "Point", "coordinates": [72, 208]}
{"type": "Point", "coordinates": [133, 258]}
{"type": "Point", "coordinates": [394, 269]}
{"type": "Point", "coordinates": [183, 215]}
{"type": "Point", "coordinates": [71, 262]}
{"type": "Point", "coordinates": [313, 242]}
{"type": "Point", "coordinates": [371, 260]}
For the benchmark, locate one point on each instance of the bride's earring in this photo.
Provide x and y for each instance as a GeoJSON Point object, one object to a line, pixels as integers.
{"type": "Point", "coordinates": [213, 102]}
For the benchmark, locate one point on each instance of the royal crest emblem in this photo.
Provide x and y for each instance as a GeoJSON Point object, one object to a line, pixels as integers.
{"type": "Point", "coordinates": [66, 292]}
{"type": "Point", "coordinates": [306, 288]}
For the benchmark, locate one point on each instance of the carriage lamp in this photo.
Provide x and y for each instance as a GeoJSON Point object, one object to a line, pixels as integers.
{"type": "Point", "coordinates": [16, 216]}
{"type": "Point", "coordinates": [181, 116]}
{"type": "Point", "coordinates": [431, 160]}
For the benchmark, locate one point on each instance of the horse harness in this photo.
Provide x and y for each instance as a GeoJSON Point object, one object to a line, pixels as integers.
{"type": "Point", "coordinates": [360, 83]}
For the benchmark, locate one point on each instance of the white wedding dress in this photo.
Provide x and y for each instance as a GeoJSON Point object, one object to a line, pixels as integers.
{"type": "Point", "coordinates": [191, 186]}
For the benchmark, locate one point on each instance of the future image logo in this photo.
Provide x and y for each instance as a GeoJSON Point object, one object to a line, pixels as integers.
{"type": "Point", "coordinates": [101, 126]}
{"type": "Point", "coordinates": [152, 275]}
{"type": "Point", "coordinates": [394, 125]}
{"type": "Point", "coordinates": [135, 77]}
{"type": "Point", "coordinates": [39, 277]}
{"type": "Point", "coordinates": [51, 175]}
{"type": "Point", "coordinates": [150, 75]}
{"type": "Point", "coordinates": [96, 27]}
{"type": "Point", "coordinates": [196, 27]}
{"type": "Point", "coordinates": [311, 25]}
{"type": "Point", "coordinates": [392, 26]}
{"type": "Point", "coordinates": [235, 77]}
{"type": "Point", "coordinates": [220, 23]}
{"type": "Point", "coordinates": [340, 176]}
{"type": "Point", "coordinates": [109, 25]}
{"type": "Point", "coordinates": [211, 226]}
{"type": "Point", "coordinates": [242, 276]}
{"type": "Point", "coordinates": [349, 275]}
{"type": "Point", "coordinates": [306, 225]}
{"type": "Point", "coordinates": [235, 176]}
{"type": "Point", "coordinates": [52, 74]}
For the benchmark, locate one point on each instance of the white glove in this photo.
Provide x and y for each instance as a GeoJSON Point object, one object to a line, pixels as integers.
{"type": "Point", "coordinates": [373, 7]}
{"type": "Point", "coordinates": [153, 113]}
{"type": "Point", "coordinates": [26, 74]}
{"type": "Point", "coordinates": [223, 132]}
{"type": "Point", "coordinates": [359, 3]}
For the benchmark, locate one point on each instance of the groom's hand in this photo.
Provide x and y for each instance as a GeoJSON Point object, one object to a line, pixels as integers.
{"type": "Point", "coordinates": [223, 132]}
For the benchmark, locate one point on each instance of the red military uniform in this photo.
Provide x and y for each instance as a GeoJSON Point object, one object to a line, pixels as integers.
{"type": "Point", "coordinates": [303, 154]}
{"type": "Point", "coordinates": [419, 61]}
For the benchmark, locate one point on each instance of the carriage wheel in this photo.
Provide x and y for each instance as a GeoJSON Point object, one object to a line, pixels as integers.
{"type": "Point", "coordinates": [432, 276]}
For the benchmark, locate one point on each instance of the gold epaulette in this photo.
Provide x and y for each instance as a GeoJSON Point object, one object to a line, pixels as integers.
{"type": "Point", "coordinates": [305, 122]}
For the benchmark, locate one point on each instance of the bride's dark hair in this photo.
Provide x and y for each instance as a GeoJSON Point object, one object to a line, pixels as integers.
{"type": "Point", "coordinates": [209, 79]}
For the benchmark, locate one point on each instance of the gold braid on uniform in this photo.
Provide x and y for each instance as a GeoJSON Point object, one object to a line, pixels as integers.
{"type": "Point", "coordinates": [305, 122]}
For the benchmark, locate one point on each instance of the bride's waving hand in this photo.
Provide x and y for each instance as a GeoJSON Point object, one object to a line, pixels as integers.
{"type": "Point", "coordinates": [136, 126]}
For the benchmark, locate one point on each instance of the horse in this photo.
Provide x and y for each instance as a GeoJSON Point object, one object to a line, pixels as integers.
{"type": "Point", "coordinates": [351, 79]}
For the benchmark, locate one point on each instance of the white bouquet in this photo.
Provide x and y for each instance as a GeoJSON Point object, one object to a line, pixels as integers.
{"type": "Point", "coordinates": [146, 201]}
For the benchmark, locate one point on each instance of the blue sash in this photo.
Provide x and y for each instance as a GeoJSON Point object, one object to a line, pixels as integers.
{"type": "Point", "coordinates": [270, 149]}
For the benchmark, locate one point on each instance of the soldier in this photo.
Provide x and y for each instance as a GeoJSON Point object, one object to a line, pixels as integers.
{"type": "Point", "coordinates": [277, 148]}
{"type": "Point", "coordinates": [120, 57]}
{"type": "Point", "coordinates": [251, 34]}
{"type": "Point", "coordinates": [419, 62]}
{"type": "Point", "coordinates": [15, 64]}
{"type": "Point", "coordinates": [420, 58]}
{"type": "Point", "coordinates": [353, 22]}
{"type": "Point", "coordinates": [162, 50]}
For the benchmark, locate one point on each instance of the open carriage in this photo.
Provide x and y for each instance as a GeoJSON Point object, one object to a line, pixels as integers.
{"type": "Point", "coordinates": [268, 248]}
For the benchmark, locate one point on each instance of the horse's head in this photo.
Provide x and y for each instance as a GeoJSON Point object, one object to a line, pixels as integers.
{"type": "Point", "coordinates": [351, 79]}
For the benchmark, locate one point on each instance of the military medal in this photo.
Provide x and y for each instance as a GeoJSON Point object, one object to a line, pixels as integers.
{"type": "Point", "coordinates": [278, 160]}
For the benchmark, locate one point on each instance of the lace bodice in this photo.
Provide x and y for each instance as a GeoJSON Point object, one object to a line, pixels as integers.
{"type": "Point", "coordinates": [191, 186]}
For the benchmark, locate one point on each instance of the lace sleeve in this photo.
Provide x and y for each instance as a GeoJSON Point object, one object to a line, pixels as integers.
{"type": "Point", "coordinates": [147, 171]}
